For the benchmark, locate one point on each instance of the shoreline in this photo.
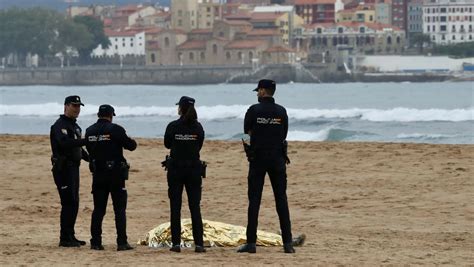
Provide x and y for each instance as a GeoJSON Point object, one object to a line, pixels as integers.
{"type": "Point", "coordinates": [358, 203]}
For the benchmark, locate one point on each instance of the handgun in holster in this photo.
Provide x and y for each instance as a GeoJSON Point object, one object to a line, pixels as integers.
{"type": "Point", "coordinates": [124, 169]}
{"type": "Point", "coordinates": [249, 152]}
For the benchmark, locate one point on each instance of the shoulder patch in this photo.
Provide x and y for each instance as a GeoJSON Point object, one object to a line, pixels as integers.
{"type": "Point", "coordinates": [64, 131]}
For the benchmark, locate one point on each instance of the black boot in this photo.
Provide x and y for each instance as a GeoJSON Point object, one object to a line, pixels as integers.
{"type": "Point", "coordinates": [249, 247]}
{"type": "Point", "coordinates": [175, 248]}
{"type": "Point", "coordinates": [68, 242]}
{"type": "Point", "coordinates": [82, 243]}
{"type": "Point", "coordinates": [199, 249]}
{"type": "Point", "coordinates": [288, 248]}
{"type": "Point", "coordinates": [97, 247]}
{"type": "Point", "coordinates": [123, 247]}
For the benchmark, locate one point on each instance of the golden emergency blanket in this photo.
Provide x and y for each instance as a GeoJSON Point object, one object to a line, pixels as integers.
{"type": "Point", "coordinates": [215, 234]}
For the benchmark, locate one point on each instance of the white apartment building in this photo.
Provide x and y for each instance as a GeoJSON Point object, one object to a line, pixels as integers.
{"type": "Point", "coordinates": [449, 21]}
{"type": "Point", "coordinates": [125, 43]}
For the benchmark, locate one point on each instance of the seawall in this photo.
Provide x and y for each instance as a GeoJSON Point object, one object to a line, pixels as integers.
{"type": "Point", "coordinates": [188, 75]}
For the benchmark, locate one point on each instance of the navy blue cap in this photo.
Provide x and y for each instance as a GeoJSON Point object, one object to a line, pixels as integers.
{"type": "Point", "coordinates": [73, 99]}
{"type": "Point", "coordinates": [267, 84]}
{"type": "Point", "coordinates": [186, 101]}
{"type": "Point", "coordinates": [106, 110]}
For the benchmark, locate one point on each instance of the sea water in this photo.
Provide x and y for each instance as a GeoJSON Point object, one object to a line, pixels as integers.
{"type": "Point", "coordinates": [381, 112]}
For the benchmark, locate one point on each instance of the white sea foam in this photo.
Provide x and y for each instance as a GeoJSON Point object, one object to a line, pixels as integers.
{"type": "Point", "coordinates": [309, 136]}
{"type": "Point", "coordinates": [220, 112]}
{"type": "Point", "coordinates": [424, 136]}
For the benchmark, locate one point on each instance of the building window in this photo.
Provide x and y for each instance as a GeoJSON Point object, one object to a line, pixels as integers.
{"type": "Point", "coordinates": [398, 39]}
{"type": "Point", "coordinates": [389, 40]}
{"type": "Point", "coordinates": [319, 30]}
{"type": "Point", "coordinates": [180, 22]}
{"type": "Point", "coordinates": [239, 55]}
{"type": "Point", "coordinates": [191, 56]}
{"type": "Point", "coordinates": [227, 55]}
{"type": "Point", "coordinates": [153, 59]}
{"type": "Point", "coordinates": [203, 57]}
{"type": "Point", "coordinates": [250, 56]}
{"type": "Point", "coordinates": [453, 29]}
{"type": "Point", "coordinates": [442, 28]}
{"type": "Point", "coordinates": [214, 48]}
{"type": "Point", "coordinates": [167, 42]}
{"type": "Point", "coordinates": [340, 30]}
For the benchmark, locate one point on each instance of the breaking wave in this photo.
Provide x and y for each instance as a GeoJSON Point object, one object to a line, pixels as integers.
{"type": "Point", "coordinates": [222, 112]}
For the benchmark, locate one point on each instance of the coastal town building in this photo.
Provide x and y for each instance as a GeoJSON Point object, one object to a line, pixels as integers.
{"type": "Point", "coordinates": [383, 12]}
{"type": "Point", "coordinates": [449, 21]}
{"type": "Point", "coordinates": [283, 18]}
{"type": "Point", "coordinates": [322, 41]}
{"type": "Point", "coordinates": [122, 43]}
{"type": "Point", "coordinates": [361, 13]}
{"type": "Point", "coordinates": [399, 14]}
{"type": "Point", "coordinates": [129, 15]}
{"type": "Point", "coordinates": [316, 11]}
{"type": "Point", "coordinates": [414, 18]}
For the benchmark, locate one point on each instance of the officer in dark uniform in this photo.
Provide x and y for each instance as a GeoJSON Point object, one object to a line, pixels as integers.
{"type": "Point", "coordinates": [66, 142]}
{"type": "Point", "coordinates": [106, 141]}
{"type": "Point", "coordinates": [267, 125]}
{"type": "Point", "coordinates": [184, 137]}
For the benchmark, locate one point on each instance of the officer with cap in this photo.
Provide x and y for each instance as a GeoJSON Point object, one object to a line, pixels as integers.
{"type": "Point", "coordinates": [106, 141]}
{"type": "Point", "coordinates": [184, 137]}
{"type": "Point", "coordinates": [66, 142]}
{"type": "Point", "coordinates": [267, 125]}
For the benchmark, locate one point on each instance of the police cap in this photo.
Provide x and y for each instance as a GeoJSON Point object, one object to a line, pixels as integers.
{"type": "Point", "coordinates": [186, 101]}
{"type": "Point", "coordinates": [73, 99]}
{"type": "Point", "coordinates": [106, 110]}
{"type": "Point", "coordinates": [267, 84]}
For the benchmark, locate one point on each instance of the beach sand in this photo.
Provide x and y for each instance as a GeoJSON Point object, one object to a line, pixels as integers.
{"type": "Point", "coordinates": [358, 204]}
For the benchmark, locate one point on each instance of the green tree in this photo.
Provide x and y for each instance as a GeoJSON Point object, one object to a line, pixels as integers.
{"type": "Point", "coordinates": [460, 50]}
{"type": "Point", "coordinates": [420, 40]}
{"type": "Point", "coordinates": [96, 28]}
{"type": "Point", "coordinates": [71, 37]}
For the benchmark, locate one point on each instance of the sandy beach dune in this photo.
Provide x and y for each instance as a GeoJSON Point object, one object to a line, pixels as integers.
{"type": "Point", "coordinates": [358, 204]}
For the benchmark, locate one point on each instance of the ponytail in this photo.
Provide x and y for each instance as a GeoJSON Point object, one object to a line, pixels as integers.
{"type": "Point", "coordinates": [189, 114]}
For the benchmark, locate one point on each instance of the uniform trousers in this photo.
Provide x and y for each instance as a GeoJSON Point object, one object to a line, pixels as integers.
{"type": "Point", "coordinates": [67, 182]}
{"type": "Point", "coordinates": [189, 178]}
{"type": "Point", "coordinates": [102, 186]}
{"type": "Point", "coordinates": [276, 169]}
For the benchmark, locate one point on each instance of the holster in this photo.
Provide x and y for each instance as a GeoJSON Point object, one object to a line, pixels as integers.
{"type": "Point", "coordinates": [58, 163]}
{"type": "Point", "coordinates": [249, 152]}
{"type": "Point", "coordinates": [92, 166]}
{"type": "Point", "coordinates": [124, 170]}
{"type": "Point", "coordinates": [203, 169]}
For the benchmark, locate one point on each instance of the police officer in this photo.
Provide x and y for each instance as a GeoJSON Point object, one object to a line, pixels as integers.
{"type": "Point", "coordinates": [267, 125]}
{"type": "Point", "coordinates": [66, 142]}
{"type": "Point", "coordinates": [184, 137]}
{"type": "Point", "coordinates": [106, 141]}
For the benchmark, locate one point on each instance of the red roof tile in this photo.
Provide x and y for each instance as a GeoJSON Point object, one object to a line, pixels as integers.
{"type": "Point", "coordinates": [245, 44]}
{"type": "Point", "coordinates": [193, 45]}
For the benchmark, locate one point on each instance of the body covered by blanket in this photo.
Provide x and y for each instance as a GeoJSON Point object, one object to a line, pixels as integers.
{"type": "Point", "coordinates": [215, 234]}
